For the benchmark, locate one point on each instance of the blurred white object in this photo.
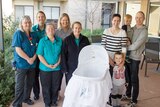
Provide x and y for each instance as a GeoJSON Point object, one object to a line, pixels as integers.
{"type": "Point", "coordinates": [90, 85]}
{"type": "Point", "coordinates": [124, 49]}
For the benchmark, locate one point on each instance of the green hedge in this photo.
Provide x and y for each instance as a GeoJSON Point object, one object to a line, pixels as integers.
{"type": "Point", "coordinates": [96, 32]}
{"type": "Point", "coordinates": [87, 32]}
{"type": "Point", "coordinates": [6, 73]}
{"type": "Point", "coordinates": [6, 85]}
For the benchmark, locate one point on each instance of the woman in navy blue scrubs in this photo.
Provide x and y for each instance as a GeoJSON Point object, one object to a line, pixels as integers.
{"type": "Point", "coordinates": [24, 44]}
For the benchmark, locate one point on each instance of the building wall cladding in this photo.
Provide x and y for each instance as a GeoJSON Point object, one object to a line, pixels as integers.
{"type": "Point", "coordinates": [154, 20]}
{"type": "Point", "coordinates": [75, 8]}
{"type": "Point", "coordinates": [79, 11]}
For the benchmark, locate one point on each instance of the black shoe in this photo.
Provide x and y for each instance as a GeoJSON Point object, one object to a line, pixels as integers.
{"type": "Point", "coordinates": [29, 102]}
{"type": "Point", "coordinates": [36, 98]}
{"type": "Point", "coordinates": [19, 105]}
{"type": "Point", "coordinates": [109, 103]}
{"type": "Point", "coordinates": [47, 106]}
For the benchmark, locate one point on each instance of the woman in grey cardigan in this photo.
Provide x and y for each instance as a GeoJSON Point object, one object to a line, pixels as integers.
{"type": "Point", "coordinates": [140, 35]}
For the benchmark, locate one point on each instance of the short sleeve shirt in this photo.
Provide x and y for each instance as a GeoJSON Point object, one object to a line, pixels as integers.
{"type": "Point", "coordinates": [50, 51]}
{"type": "Point", "coordinates": [21, 40]}
{"type": "Point", "coordinates": [40, 33]}
{"type": "Point", "coordinates": [118, 76]}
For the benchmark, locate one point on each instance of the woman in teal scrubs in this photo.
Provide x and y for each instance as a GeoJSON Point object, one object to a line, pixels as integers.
{"type": "Point", "coordinates": [49, 50]}
{"type": "Point", "coordinates": [39, 29]}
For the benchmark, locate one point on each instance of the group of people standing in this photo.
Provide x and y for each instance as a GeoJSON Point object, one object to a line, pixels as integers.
{"type": "Point", "coordinates": [49, 52]}
{"type": "Point", "coordinates": [124, 63]}
{"type": "Point", "coordinates": [43, 50]}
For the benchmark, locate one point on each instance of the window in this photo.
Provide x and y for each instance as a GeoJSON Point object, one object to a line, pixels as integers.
{"type": "Point", "coordinates": [108, 9]}
{"type": "Point", "coordinates": [132, 9]}
{"type": "Point", "coordinates": [23, 10]}
{"type": "Point", "coordinates": [154, 20]}
{"type": "Point", "coordinates": [51, 12]}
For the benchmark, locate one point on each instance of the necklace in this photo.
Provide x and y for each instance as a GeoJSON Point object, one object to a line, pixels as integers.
{"type": "Point", "coordinates": [30, 40]}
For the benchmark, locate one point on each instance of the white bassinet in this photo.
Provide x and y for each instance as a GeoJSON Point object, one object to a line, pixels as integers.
{"type": "Point", "coordinates": [90, 85]}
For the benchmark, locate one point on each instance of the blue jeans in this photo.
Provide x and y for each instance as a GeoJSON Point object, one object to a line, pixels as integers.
{"type": "Point", "coordinates": [134, 71]}
{"type": "Point", "coordinates": [24, 79]}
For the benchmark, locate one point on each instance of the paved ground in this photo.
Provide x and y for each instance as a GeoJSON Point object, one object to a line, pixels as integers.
{"type": "Point", "coordinates": [149, 90]}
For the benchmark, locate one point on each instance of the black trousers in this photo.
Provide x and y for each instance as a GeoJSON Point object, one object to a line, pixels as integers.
{"type": "Point", "coordinates": [24, 79]}
{"type": "Point", "coordinates": [128, 76]}
{"type": "Point", "coordinates": [36, 86]}
{"type": "Point", "coordinates": [134, 71]}
{"type": "Point", "coordinates": [50, 86]}
{"type": "Point", "coordinates": [68, 77]}
{"type": "Point", "coordinates": [60, 81]}
{"type": "Point", "coordinates": [111, 73]}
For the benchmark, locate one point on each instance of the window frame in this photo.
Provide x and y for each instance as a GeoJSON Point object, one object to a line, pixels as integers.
{"type": "Point", "coordinates": [32, 18]}
{"type": "Point", "coordinates": [51, 10]}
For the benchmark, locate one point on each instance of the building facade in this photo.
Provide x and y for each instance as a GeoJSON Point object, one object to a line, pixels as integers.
{"type": "Point", "coordinates": [93, 14]}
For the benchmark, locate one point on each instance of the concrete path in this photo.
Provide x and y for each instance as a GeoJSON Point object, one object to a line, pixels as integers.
{"type": "Point", "coordinates": [149, 90]}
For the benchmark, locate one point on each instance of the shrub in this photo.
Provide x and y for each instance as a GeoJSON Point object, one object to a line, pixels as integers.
{"type": "Point", "coordinates": [96, 32]}
{"type": "Point", "coordinates": [6, 72]}
{"type": "Point", "coordinates": [87, 32]}
{"type": "Point", "coordinates": [6, 85]}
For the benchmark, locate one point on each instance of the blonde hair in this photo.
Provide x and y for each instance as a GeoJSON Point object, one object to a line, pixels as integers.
{"type": "Point", "coordinates": [142, 13]}
{"type": "Point", "coordinates": [25, 17]}
{"type": "Point", "coordinates": [127, 16]}
{"type": "Point", "coordinates": [59, 21]}
{"type": "Point", "coordinates": [77, 22]}
{"type": "Point", "coordinates": [119, 53]}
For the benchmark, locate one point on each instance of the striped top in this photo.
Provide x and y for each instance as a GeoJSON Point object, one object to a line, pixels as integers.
{"type": "Point", "coordinates": [113, 43]}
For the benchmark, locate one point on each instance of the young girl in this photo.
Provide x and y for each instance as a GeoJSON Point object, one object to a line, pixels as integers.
{"type": "Point", "coordinates": [127, 26]}
{"type": "Point", "coordinates": [119, 79]}
{"type": "Point", "coordinates": [129, 32]}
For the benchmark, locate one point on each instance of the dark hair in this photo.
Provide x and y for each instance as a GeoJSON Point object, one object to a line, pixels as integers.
{"type": "Point", "coordinates": [116, 15]}
{"type": "Point", "coordinates": [76, 23]}
{"type": "Point", "coordinates": [42, 13]}
{"type": "Point", "coordinates": [119, 53]}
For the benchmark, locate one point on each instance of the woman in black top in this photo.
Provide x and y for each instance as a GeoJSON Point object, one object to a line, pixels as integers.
{"type": "Point", "coordinates": [71, 47]}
